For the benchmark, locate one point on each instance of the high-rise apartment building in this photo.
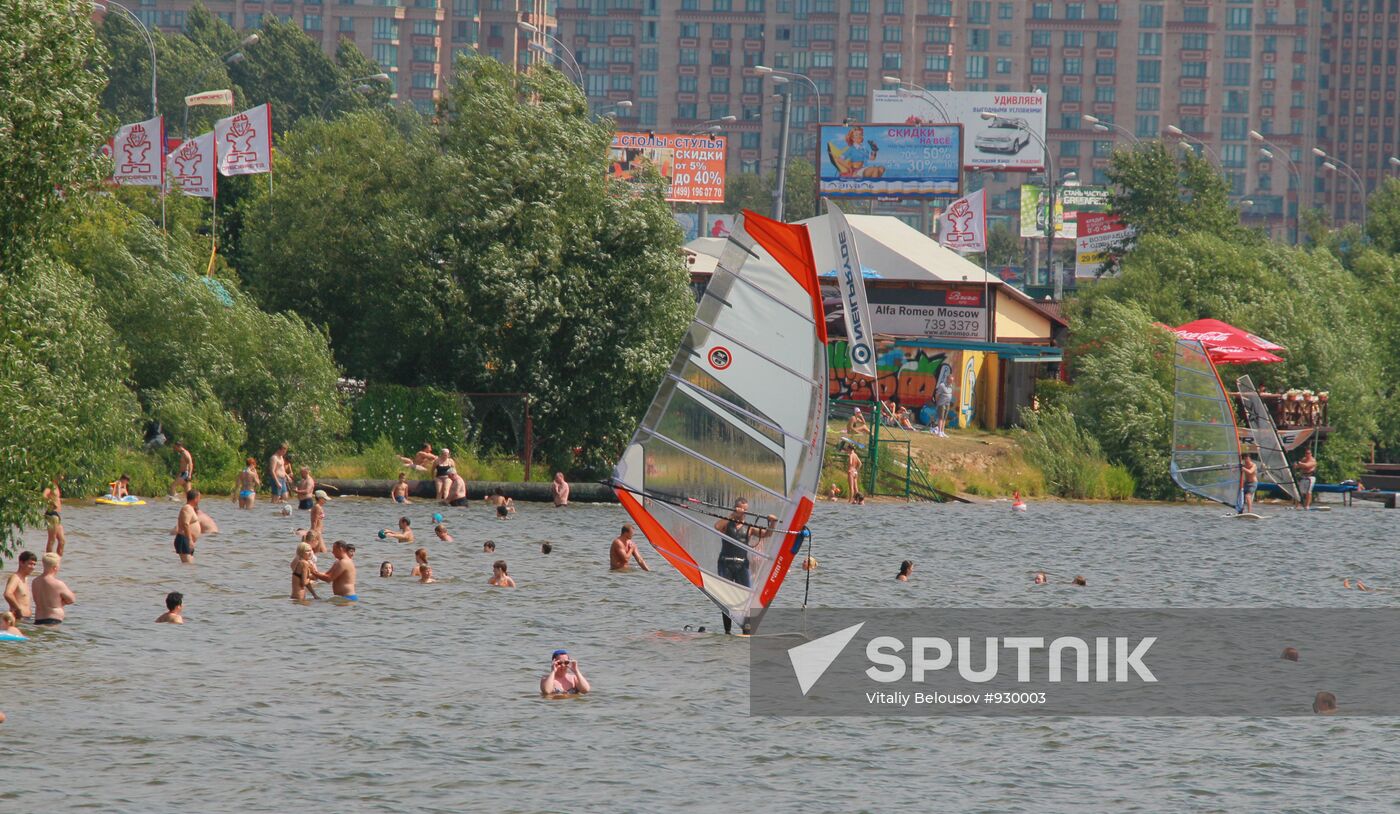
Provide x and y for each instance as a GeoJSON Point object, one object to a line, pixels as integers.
{"type": "Point", "coordinates": [1301, 74]}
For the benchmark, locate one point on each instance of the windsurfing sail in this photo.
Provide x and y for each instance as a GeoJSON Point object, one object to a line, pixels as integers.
{"type": "Point", "coordinates": [740, 415]}
{"type": "Point", "coordinates": [1273, 460]}
{"type": "Point", "coordinates": [1205, 442]}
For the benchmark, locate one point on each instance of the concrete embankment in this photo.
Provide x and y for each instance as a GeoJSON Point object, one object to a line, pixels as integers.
{"type": "Point", "coordinates": [476, 490]}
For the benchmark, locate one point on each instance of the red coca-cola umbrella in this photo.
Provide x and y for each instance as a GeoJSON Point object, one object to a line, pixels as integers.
{"type": "Point", "coordinates": [1226, 344]}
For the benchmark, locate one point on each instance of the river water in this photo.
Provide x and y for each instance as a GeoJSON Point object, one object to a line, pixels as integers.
{"type": "Point", "coordinates": [422, 698]}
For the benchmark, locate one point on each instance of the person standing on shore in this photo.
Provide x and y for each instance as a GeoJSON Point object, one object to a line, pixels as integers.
{"type": "Point", "coordinates": [623, 549]}
{"type": "Point", "coordinates": [248, 483]}
{"type": "Point", "coordinates": [51, 595]}
{"type": "Point", "coordinates": [187, 527]}
{"type": "Point", "coordinates": [853, 472]}
{"type": "Point", "coordinates": [53, 517]}
{"type": "Point", "coordinates": [277, 473]}
{"type": "Point", "coordinates": [1307, 477]}
{"type": "Point", "coordinates": [943, 400]}
{"type": "Point", "coordinates": [17, 596]}
{"type": "Point", "coordinates": [560, 490]}
{"type": "Point", "coordinates": [184, 470]}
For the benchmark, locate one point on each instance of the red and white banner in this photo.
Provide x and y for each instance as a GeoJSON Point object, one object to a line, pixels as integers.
{"type": "Point", "coordinates": [963, 226]}
{"type": "Point", "coordinates": [136, 154]}
{"type": "Point", "coordinates": [191, 167]}
{"type": "Point", "coordinates": [216, 98]}
{"type": "Point", "coordinates": [244, 142]}
{"type": "Point", "coordinates": [1101, 238]}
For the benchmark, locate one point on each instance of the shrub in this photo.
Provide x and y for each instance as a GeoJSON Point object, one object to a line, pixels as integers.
{"type": "Point", "coordinates": [1118, 483]}
{"type": "Point", "coordinates": [1070, 459]}
{"type": "Point", "coordinates": [408, 417]}
{"type": "Point", "coordinates": [214, 436]}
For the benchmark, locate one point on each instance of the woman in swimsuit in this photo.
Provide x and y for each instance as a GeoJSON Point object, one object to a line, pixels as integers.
{"type": "Point", "coordinates": [304, 573]}
{"type": "Point", "coordinates": [564, 677]}
{"type": "Point", "coordinates": [53, 518]}
{"type": "Point", "coordinates": [443, 469]}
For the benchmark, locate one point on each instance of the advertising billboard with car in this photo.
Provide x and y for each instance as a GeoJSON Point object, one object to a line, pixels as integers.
{"type": "Point", "coordinates": [1005, 143]}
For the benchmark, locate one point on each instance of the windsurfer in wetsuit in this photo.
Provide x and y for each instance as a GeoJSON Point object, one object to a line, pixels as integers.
{"type": "Point", "coordinates": [734, 558]}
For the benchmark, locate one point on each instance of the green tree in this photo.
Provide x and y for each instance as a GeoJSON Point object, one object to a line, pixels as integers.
{"type": "Point", "coordinates": [1158, 192]}
{"type": "Point", "coordinates": [1004, 246]}
{"type": "Point", "coordinates": [1383, 222]}
{"type": "Point", "coordinates": [488, 253]}
{"type": "Point", "coordinates": [747, 190]}
{"type": "Point", "coordinates": [50, 74]}
{"type": "Point", "coordinates": [799, 190]}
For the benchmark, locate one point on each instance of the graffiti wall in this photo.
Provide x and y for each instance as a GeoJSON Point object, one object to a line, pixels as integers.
{"type": "Point", "coordinates": [908, 376]}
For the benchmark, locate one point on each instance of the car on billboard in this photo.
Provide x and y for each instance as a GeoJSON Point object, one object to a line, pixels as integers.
{"type": "Point", "coordinates": [1003, 136]}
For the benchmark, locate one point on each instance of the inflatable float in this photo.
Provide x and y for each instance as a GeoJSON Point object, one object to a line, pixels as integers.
{"type": "Point", "coordinates": [129, 500]}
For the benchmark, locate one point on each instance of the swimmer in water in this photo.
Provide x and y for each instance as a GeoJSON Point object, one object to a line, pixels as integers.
{"type": "Point", "coordinates": [441, 531]}
{"type": "Point", "coordinates": [623, 549]}
{"type": "Point", "coordinates": [174, 609]}
{"type": "Point", "coordinates": [545, 548]}
{"type": "Point", "coordinates": [386, 569]}
{"type": "Point", "coordinates": [564, 677]}
{"type": "Point", "coordinates": [304, 573]}
{"type": "Point", "coordinates": [559, 490]}
{"type": "Point", "coordinates": [7, 625]}
{"type": "Point", "coordinates": [443, 467]}
{"type": "Point", "coordinates": [403, 535]}
{"type": "Point", "coordinates": [247, 484]}
{"type": "Point", "coordinates": [53, 518]}
{"type": "Point", "coordinates": [306, 490]}
{"type": "Point", "coordinates": [187, 527]}
{"type": "Point", "coordinates": [400, 491]}
{"type": "Point", "coordinates": [809, 564]}
{"type": "Point", "coordinates": [342, 574]}
{"type": "Point", "coordinates": [1040, 578]}
{"type": "Point", "coordinates": [420, 561]}
{"type": "Point", "coordinates": [505, 507]}
{"type": "Point", "coordinates": [905, 569]}
{"type": "Point", "coordinates": [499, 577]}
{"type": "Point", "coordinates": [488, 547]}
{"type": "Point", "coordinates": [121, 487]}
{"type": "Point", "coordinates": [425, 576]}
{"type": "Point", "coordinates": [1360, 586]}
{"type": "Point", "coordinates": [456, 490]}
{"type": "Point", "coordinates": [1079, 580]}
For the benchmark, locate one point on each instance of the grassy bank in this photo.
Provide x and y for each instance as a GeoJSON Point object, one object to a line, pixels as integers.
{"type": "Point", "coordinates": [982, 463]}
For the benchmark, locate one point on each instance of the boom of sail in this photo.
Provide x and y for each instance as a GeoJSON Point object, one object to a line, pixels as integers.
{"type": "Point", "coordinates": [741, 414]}
{"type": "Point", "coordinates": [1273, 460]}
{"type": "Point", "coordinates": [1205, 441]}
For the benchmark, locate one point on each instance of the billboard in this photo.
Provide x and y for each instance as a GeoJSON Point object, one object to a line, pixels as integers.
{"type": "Point", "coordinates": [693, 166]}
{"type": "Point", "coordinates": [991, 145]}
{"type": "Point", "coordinates": [954, 313]}
{"type": "Point", "coordinates": [890, 160]}
{"type": "Point", "coordinates": [1101, 238]}
{"type": "Point", "coordinates": [1035, 211]}
{"type": "Point", "coordinates": [1076, 199]}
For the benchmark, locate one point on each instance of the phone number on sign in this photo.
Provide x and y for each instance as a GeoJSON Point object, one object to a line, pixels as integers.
{"type": "Point", "coordinates": [953, 327]}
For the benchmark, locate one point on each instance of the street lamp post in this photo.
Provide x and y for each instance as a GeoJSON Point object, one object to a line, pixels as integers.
{"type": "Point", "coordinates": [1050, 188]}
{"type": "Point", "coordinates": [780, 189]}
{"type": "Point", "coordinates": [531, 28]}
{"type": "Point", "coordinates": [231, 58]}
{"type": "Point", "coordinates": [716, 126]}
{"type": "Point", "coordinates": [923, 93]}
{"type": "Point", "coordinates": [1331, 163]}
{"type": "Point", "coordinates": [1185, 136]}
{"type": "Point", "coordinates": [1270, 151]}
{"type": "Point", "coordinates": [1104, 126]}
{"type": "Point", "coordinates": [150, 44]}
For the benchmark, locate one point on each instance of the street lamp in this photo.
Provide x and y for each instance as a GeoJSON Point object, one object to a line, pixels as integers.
{"type": "Point", "coordinates": [923, 92]}
{"type": "Point", "coordinates": [1332, 163]}
{"type": "Point", "coordinates": [531, 28]}
{"type": "Point", "coordinates": [1182, 134]}
{"type": "Point", "coordinates": [150, 43]}
{"type": "Point", "coordinates": [780, 189]}
{"type": "Point", "coordinates": [1050, 188]}
{"type": "Point", "coordinates": [612, 109]}
{"type": "Point", "coordinates": [1393, 161]}
{"type": "Point", "coordinates": [777, 74]}
{"type": "Point", "coordinates": [573, 69]}
{"type": "Point", "coordinates": [1269, 150]}
{"type": "Point", "coordinates": [1104, 126]}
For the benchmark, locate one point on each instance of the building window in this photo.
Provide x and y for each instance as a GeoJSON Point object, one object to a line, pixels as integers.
{"type": "Point", "coordinates": [1106, 39]}
{"type": "Point", "coordinates": [718, 84]}
{"type": "Point", "coordinates": [978, 39]}
{"type": "Point", "coordinates": [750, 141]}
{"type": "Point", "coordinates": [347, 25]}
{"type": "Point", "coordinates": [1238, 47]}
{"type": "Point", "coordinates": [425, 53]}
{"type": "Point", "coordinates": [1108, 11]}
{"type": "Point", "coordinates": [1148, 126]}
{"type": "Point", "coordinates": [979, 12]}
{"type": "Point", "coordinates": [425, 28]}
{"type": "Point", "coordinates": [1105, 67]}
{"type": "Point", "coordinates": [386, 28]}
{"type": "Point", "coordinates": [386, 55]}
{"type": "Point", "coordinates": [894, 6]}
{"type": "Point", "coordinates": [893, 62]}
{"type": "Point", "coordinates": [976, 67]}
{"type": "Point", "coordinates": [753, 6]}
{"type": "Point", "coordinates": [648, 61]}
{"type": "Point", "coordinates": [311, 22]}
{"type": "Point", "coordinates": [1196, 14]}
{"type": "Point", "coordinates": [1233, 155]}
{"type": "Point", "coordinates": [1040, 39]}
{"type": "Point", "coordinates": [1236, 101]}
{"type": "Point", "coordinates": [1106, 94]}
{"type": "Point", "coordinates": [689, 56]}
{"type": "Point", "coordinates": [1069, 121]}
{"type": "Point", "coordinates": [939, 36]}
{"type": "Point", "coordinates": [1193, 124]}
{"type": "Point", "coordinates": [426, 81]}
{"type": "Point", "coordinates": [621, 81]}
{"type": "Point", "coordinates": [1239, 19]}
{"type": "Point", "coordinates": [687, 84]}
{"type": "Point", "coordinates": [1003, 65]}
{"type": "Point", "coordinates": [1069, 148]}
{"type": "Point", "coordinates": [1149, 71]}
{"type": "Point", "coordinates": [1004, 39]}
{"type": "Point", "coordinates": [690, 31]}
{"type": "Point", "coordinates": [822, 59]}
{"type": "Point", "coordinates": [858, 59]}
{"type": "Point", "coordinates": [1040, 66]}
{"type": "Point", "coordinates": [1072, 67]}
{"type": "Point", "coordinates": [646, 86]}
{"type": "Point", "coordinates": [1193, 96]}
{"type": "Point", "coordinates": [892, 33]}
{"type": "Point", "coordinates": [1192, 42]}
{"type": "Point", "coordinates": [1149, 98]}
{"type": "Point", "coordinates": [250, 20]}
{"type": "Point", "coordinates": [724, 5]}
{"type": "Point", "coordinates": [1237, 73]}
{"type": "Point", "coordinates": [1193, 70]}
{"type": "Point", "coordinates": [1234, 128]}
{"type": "Point", "coordinates": [689, 110]}
{"type": "Point", "coordinates": [1006, 11]}
{"type": "Point", "coordinates": [938, 63]}
{"type": "Point", "coordinates": [1103, 149]}
{"type": "Point", "coordinates": [1071, 93]}
{"type": "Point", "coordinates": [1074, 11]}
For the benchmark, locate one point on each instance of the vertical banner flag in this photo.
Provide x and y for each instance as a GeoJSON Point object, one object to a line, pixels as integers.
{"type": "Point", "coordinates": [191, 166]}
{"type": "Point", "coordinates": [963, 226]}
{"type": "Point", "coordinates": [244, 142]}
{"type": "Point", "coordinates": [860, 333]}
{"type": "Point", "coordinates": [137, 151]}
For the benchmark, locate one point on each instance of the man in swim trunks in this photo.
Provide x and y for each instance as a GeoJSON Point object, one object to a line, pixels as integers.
{"type": "Point", "coordinates": [342, 574]}
{"type": "Point", "coordinates": [174, 609]}
{"type": "Point", "coordinates": [185, 470]}
{"type": "Point", "coordinates": [456, 490]}
{"type": "Point", "coordinates": [443, 467]}
{"type": "Point", "coordinates": [560, 490]}
{"type": "Point", "coordinates": [277, 473]}
{"type": "Point", "coordinates": [1307, 477]}
{"type": "Point", "coordinates": [50, 593]}
{"type": "Point", "coordinates": [248, 483]}
{"type": "Point", "coordinates": [17, 585]}
{"type": "Point", "coordinates": [400, 491]}
{"type": "Point", "coordinates": [564, 677]}
{"type": "Point", "coordinates": [306, 490]}
{"type": "Point", "coordinates": [187, 527]}
{"type": "Point", "coordinates": [1250, 471]}
{"type": "Point", "coordinates": [624, 549]}
{"type": "Point", "coordinates": [53, 518]}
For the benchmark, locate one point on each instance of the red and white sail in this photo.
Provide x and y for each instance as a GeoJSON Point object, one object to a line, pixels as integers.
{"type": "Point", "coordinates": [741, 414]}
